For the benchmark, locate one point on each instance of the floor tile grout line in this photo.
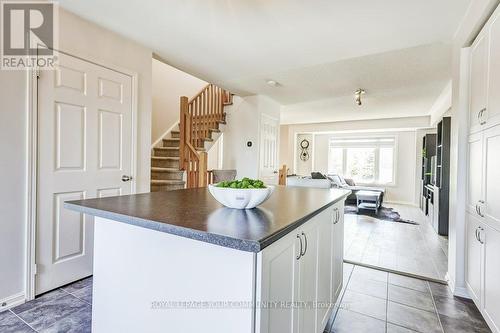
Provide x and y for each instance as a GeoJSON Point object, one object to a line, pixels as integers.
{"type": "Point", "coordinates": [24, 321]}
{"type": "Point", "coordinates": [67, 292]}
{"type": "Point", "coordinates": [341, 298]}
{"type": "Point", "coordinates": [387, 305]}
{"type": "Point", "coordinates": [435, 307]}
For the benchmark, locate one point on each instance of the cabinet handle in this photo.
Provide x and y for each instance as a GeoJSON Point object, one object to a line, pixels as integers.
{"type": "Point", "coordinates": [338, 216]}
{"type": "Point", "coordinates": [480, 117]}
{"type": "Point", "coordinates": [336, 210]}
{"type": "Point", "coordinates": [479, 235]}
{"type": "Point", "coordinates": [479, 208]}
{"type": "Point", "coordinates": [300, 252]}
{"type": "Point", "coordinates": [305, 247]}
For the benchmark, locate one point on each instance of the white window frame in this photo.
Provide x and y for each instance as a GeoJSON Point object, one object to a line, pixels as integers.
{"type": "Point", "coordinates": [377, 147]}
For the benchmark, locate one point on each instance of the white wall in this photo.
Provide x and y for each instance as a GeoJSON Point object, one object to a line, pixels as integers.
{"type": "Point", "coordinates": [304, 168]}
{"type": "Point", "coordinates": [13, 141]}
{"type": "Point", "coordinates": [169, 84]}
{"type": "Point", "coordinates": [404, 128]}
{"type": "Point", "coordinates": [403, 191]}
{"type": "Point", "coordinates": [88, 41]}
{"type": "Point", "coordinates": [243, 125]}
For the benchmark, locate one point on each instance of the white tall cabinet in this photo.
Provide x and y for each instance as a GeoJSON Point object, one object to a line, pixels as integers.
{"type": "Point", "coordinates": [300, 276]}
{"type": "Point", "coordinates": [483, 202]}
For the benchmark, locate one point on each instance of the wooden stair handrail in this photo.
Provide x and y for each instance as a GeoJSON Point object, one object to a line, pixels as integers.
{"type": "Point", "coordinates": [198, 117]}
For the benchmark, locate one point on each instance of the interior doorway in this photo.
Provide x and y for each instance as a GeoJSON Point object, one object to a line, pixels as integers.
{"type": "Point", "coordinates": [86, 149]}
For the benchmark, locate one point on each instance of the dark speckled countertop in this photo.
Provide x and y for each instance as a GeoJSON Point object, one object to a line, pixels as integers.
{"type": "Point", "coordinates": [194, 213]}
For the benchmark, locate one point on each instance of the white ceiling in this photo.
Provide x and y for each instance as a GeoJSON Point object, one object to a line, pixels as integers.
{"type": "Point", "coordinates": [318, 50]}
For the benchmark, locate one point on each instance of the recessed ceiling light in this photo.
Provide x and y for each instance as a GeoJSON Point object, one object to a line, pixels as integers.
{"type": "Point", "coordinates": [272, 83]}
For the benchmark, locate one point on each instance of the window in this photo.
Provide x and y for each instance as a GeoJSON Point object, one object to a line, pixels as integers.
{"type": "Point", "coordinates": [365, 160]}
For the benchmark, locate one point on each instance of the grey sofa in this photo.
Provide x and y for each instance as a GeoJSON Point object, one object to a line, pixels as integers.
{"type": "Point", "coordinates": [340, 182]}
{"type": "Point", "coordinates": [335, 181]}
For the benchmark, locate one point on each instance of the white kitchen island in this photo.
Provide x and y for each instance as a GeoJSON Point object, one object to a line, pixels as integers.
{"type": "Point", "coordinates": [179, 262]}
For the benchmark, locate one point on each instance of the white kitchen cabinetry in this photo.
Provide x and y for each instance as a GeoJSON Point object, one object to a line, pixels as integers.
{"type": "Point", "coordinates": [491, 273]}
{"type": "Point", "coordinates": [491, 174]}
{"type": "Point", "coordinates": [484, 84]}
{"type": "Point", "coordinates": [300, 276]}
{"type": "Point", "coordinates": [473, 258]}
{"type": "Point", "coordinates": [483, 195]}
{"type": "Point", "coordinates": [475, 172]}
{"type": "Point", "coordinates": [478, 81]}
{"type": "Point", "coordinates": [492, 113]}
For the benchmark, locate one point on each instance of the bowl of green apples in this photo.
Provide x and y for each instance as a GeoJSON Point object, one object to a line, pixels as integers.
{"type": "Point", "coordinates": [246, 193]}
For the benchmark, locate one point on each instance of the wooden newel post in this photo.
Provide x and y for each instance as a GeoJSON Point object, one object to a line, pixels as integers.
{"type": "Point", "coordinates": [282, 176]}
{"type": "Point", "coordinates": [184, 133]}
{"type": "Point", "coordinates": [202, 176]}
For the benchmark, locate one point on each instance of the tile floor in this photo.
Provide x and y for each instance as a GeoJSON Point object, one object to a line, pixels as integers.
{"type": "Point", "coordinates": [371, 301]}
{"type": "Point", "coordinates": [414, 249]}
{"type": "Point", "coordinates": [67, 309]}
{"type": "Point", "coordinates": [375, 301]}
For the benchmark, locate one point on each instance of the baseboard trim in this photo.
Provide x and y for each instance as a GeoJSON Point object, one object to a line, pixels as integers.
{"type": "Point", "coordinates": [401, 203]}
{"type": "Point", "coordinates": [12, 301]}
{"type": "Point", "coordinates": [461, 292]}
{"type": "Point", "coordinates": [388, 270]}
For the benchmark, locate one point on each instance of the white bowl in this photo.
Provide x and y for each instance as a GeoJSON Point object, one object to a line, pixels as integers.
{"type": "Point", "coordinates": [240, 198]}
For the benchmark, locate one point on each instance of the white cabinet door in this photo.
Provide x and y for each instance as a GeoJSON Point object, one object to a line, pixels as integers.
{"type": "Point", "coordinates": [308, 276]}
{"type": "Point", "coordinates": [478, 81]}
{"type": "Point", "coordinates": [490, 206]}
{"type": "Point", "coordinates": [338, 253]}
{"type": "Point", "coordinates": [324, 293]}
{"type": "Point", "coordinates": [473, 259]}
{"type": "Point", "coordinates": [279, 282]}
{"type": "Point", "coordinates": [491, 288]}
{"type": "Point", "coordinates": [475, 172]}
{"type": "Point", "coordinates": [492, 114]}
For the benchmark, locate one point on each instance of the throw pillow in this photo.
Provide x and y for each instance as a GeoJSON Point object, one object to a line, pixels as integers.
{"type": "Point", "coordinates": [317, 175]}
{"type": "Point", "coordinates": [350, 182]}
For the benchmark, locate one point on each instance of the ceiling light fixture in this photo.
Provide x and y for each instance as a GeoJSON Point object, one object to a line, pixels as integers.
{"type": "Point", "coordinates": [357, 96]}
{"type": "Point", "coordinates": [272, 83]}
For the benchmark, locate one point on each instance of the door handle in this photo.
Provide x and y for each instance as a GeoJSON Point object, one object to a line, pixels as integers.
{"type": "Point", "coordinates": [300, 251]}
{"type": "Point", "coordinates": [305, 247]}
{"type": "Point", "coordinates": [126, 178]}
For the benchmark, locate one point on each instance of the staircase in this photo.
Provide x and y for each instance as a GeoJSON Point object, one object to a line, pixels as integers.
{"type": "Point", "coordinates": [181, 161]}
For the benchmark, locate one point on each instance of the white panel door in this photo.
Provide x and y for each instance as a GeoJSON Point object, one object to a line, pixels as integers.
{"type": "Point", "coordinates": [490, 205]}
{"type": "Point", "coordinates": [473, 258]}
{"type": "Point", "coordinates": [478, 81]}
{"type": "Point", "coordinates": [475, 172]}
{"type": "Point", "coordinates": [269, 129]}
{"type": "Point", "coordinates": [491, 288]}
{"type": "Point", "coordinates": [85, 147]}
